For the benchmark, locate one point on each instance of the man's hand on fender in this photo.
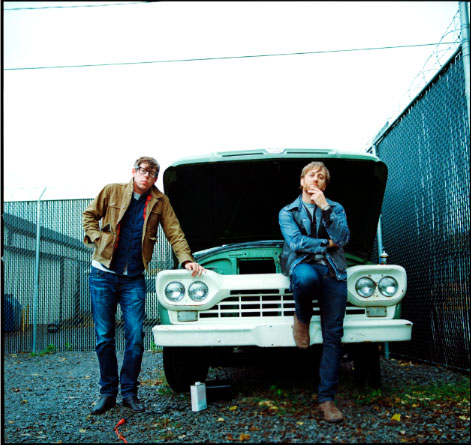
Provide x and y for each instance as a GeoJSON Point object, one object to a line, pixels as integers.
{"type": "Point", "coordinates": [195, 268]}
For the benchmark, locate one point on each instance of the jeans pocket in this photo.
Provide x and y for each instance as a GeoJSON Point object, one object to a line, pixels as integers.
{"type": "Point", "coordinates": [97, 273]}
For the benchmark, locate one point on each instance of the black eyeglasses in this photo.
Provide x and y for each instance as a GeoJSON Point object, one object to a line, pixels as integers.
{"type": "Point", "coordinates": [143, 171]}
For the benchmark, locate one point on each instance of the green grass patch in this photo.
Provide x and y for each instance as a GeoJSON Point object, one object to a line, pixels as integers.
{"type": "Point", "coordinates": [155, 348]}
{"type": "Point", "coordinates": [51, 349]}
{"type": "Point", "coordinates": [417, 395]}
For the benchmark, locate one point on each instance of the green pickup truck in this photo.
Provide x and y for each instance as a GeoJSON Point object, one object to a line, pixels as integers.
{"type": "Point", "coordinates": [228, 204]}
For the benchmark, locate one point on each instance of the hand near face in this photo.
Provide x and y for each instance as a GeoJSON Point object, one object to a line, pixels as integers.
{"type": "Point", "coordinates": [313, 184]}
{"type": "Point", "coordinates": [317, 196]}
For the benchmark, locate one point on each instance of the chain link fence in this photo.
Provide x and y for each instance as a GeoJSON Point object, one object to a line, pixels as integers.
{"type": "Point", "coordinates": [426, 216]}
{"type": "Point", "coordinates": [60, 315]}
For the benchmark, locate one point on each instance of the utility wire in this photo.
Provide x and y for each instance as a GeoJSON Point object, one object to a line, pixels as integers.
{"type": "Point", "coordinates": [74, 6]}
{"type": "Point", "coordinates": [226, 57]}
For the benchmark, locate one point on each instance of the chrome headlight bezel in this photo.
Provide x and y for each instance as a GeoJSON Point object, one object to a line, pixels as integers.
{"type": "Point", "coordinates": [178, 287]}
{"type": "Point", "coordinates": [376, 273]}
{"type": "Point", "coordinates": [365, 287]}
{"type": "Point", "coordinates": [198, 291]}
{"type": "Point", "coordinates": [212, 280]}
{"type": "Point", "coordinates": [383, 286]}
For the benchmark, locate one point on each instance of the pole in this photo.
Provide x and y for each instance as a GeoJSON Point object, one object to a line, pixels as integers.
{"type": "Point", "coordinates": [36, 271]}
{"type": "Point", "coordinates": [464, 21]}
{"type": "Point", "coordinates": [379, 233]}
{"type": "Point", "coordinates": [379, 236]}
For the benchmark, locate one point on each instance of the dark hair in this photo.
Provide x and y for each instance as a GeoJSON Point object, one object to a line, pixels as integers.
{"type": "Point", "coordinates": [151, 161]}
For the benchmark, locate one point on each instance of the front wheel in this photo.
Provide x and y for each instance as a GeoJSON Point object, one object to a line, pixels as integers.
{"type": "Point", "coordinates": [367, 364]}
{"type": "Point", "coordinates": [183, 366]}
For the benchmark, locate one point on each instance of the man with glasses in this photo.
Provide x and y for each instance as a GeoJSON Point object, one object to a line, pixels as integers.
{"type": "Point", "coordinates": [123, 245]}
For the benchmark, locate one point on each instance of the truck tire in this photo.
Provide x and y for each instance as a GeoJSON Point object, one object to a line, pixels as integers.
{"type": "Point", "coordinates": [183, 366]}
{"type": "Point", "coordinates": [367, 365]}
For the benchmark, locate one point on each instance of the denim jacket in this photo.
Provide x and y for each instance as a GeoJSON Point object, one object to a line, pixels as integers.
{"type": "Point", "coordinates": [295, 225]}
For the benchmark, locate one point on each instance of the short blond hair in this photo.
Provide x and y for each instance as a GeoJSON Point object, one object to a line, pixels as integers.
{"type": "Point", "coordinates": [316, 164]}
{"type": "Point", "coordinates": [151, 161]}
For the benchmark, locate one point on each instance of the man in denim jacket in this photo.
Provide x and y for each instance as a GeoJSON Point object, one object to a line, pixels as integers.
{"type": "Point", "coordinates": [315, 230]}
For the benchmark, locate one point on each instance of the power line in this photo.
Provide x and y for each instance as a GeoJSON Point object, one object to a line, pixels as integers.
{"type": "Point", "coordinates": [74, 6]}
{"type": "Point", "coordinates": [227, 57]}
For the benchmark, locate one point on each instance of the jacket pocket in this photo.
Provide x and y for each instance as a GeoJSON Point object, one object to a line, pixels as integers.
{"type": "Point", "coordinates": [105, 245]}
{"type": "Point", "coordinates": [156, 214]}
{"type": "Point", "coordinates": [338, 257]}
{"type": "Point", "coordinates": [112, 217]}
{"type": "Point", "coordinates": [153, 223]}
{"type": "Point", "coordinates": [148, 248]}
{"type": "Point", "coordinates": [285, 260]}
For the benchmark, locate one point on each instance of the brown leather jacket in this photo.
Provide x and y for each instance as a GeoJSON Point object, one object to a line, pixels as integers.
{"type": "Point", "coordinates": [110, 206]}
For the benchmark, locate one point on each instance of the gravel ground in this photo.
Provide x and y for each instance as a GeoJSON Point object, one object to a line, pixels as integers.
{"type": "Point", "coordinates": [47, 399]}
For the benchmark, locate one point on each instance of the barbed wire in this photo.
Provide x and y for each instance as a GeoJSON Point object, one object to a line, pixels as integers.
{"type": "Point", "coordinates": [439, 56]}
{"type": "Point", "coordinates": [432, 65]}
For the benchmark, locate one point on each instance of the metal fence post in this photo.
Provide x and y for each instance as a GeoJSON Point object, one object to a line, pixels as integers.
{"type": "Point", "coordinates": [379, 235]}
{"type": "Point", "coordinates": [464, 20]}
{"type": "Point", "coordinates": [36, 271]}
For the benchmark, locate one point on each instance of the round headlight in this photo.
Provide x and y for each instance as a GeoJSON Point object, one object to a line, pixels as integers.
{"type": "Point", "coordinates": [388, 286]}
{"type": "Point", "coordinates": [198, 291]}
{"type": "Point", "coordinates": [365, 287]}
{"type": "Point", "coordinates": [175, 291]}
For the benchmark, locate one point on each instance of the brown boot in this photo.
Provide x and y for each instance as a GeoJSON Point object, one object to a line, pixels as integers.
{"type": "Point", "coordinates": [301, 333]}
{"type": "Point", "coordinates": [331, 413]}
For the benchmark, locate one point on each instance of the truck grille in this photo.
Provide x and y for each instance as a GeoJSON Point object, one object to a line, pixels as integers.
{"type": "Point", "coordinates": [261, 303]}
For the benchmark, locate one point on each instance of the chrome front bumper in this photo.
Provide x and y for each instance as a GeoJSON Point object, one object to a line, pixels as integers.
{"type": "Point", "coordinates": [276, 333]}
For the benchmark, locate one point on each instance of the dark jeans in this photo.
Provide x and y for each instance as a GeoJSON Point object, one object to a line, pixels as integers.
{"type": "Point", "coordinates": [311, 281]}
{"type": "Point", "coordinates": [107, 290]}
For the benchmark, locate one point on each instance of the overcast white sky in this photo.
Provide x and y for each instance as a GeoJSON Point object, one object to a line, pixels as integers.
{"type": "Point", "coordinates": [73, 130]}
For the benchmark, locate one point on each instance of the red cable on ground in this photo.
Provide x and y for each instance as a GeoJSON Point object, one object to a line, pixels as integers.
{"type": "Point", "coordinates": [117, 433]}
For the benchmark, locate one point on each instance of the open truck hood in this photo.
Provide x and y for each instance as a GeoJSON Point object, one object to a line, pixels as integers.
{"type": "Point", "coordinates": [235, 197]}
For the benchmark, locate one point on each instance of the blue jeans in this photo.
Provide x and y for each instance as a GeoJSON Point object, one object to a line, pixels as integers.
{"type": "Point", "coordinates": [107, 290]}
{"type": "Point", "coordinates": [312, 281]}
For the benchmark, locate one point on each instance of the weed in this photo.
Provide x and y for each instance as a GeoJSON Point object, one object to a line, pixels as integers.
{"type": "Point", "coordinates": [280, 402]}
{"type": "Point", "coordinates": [368, 397]}
{"type": "Point", "coordinates": [417, 395]}
{"type": "Point", "coordinates": [51, 349]}
{"type": "Point", "coordinates": [277, 391]}
{"type": "Point", "coordinates": [164, 388]}
{"type": "Point", "coordinates": [167, 428]}
{"type": "Point", "coordinates": [427, 394]}
{"type": "Point", "coordinates": [155, 348]}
